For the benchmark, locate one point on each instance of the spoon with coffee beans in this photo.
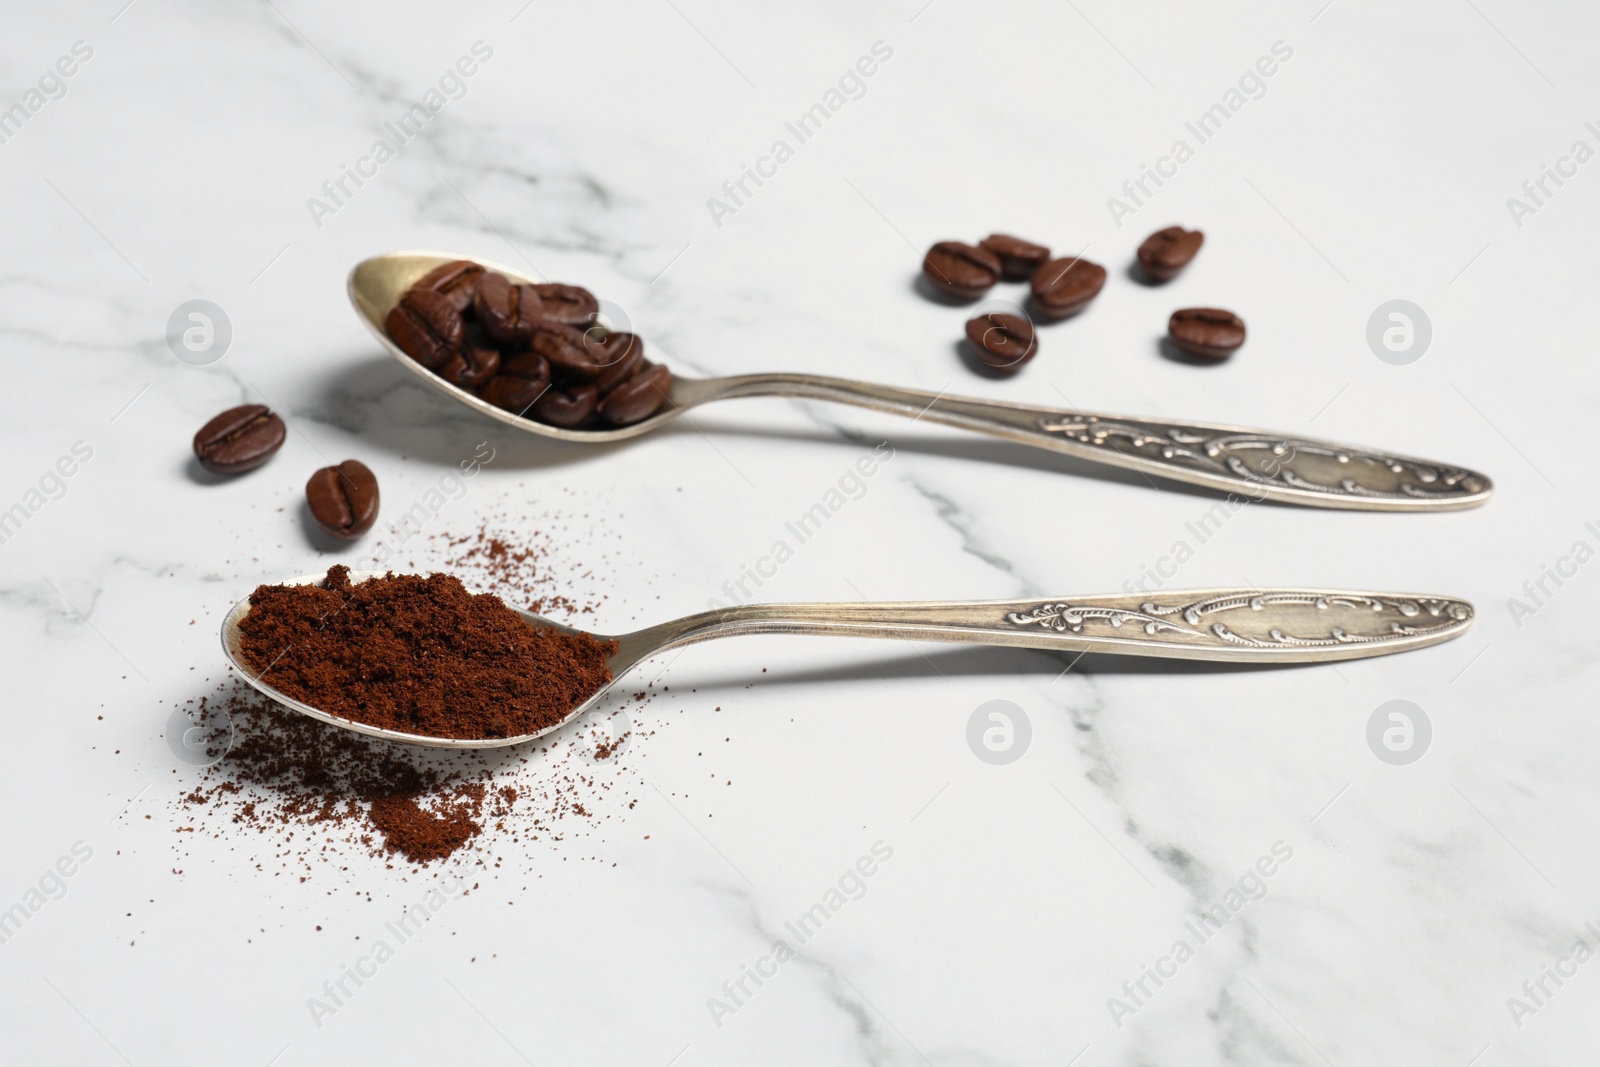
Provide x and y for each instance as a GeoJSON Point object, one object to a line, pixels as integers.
{"type": "Point", "coordinates": [535, 355]}
{"type": "Point", "coordinates": [558, 675]}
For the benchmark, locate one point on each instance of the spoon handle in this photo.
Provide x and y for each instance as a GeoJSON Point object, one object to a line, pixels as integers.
{"type": "Point", "coordinates": [1250, 625]}
{"type": "Point", "coordinates": [1256, 464]}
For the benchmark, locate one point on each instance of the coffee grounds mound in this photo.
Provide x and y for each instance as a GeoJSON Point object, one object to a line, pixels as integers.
{"type": "Point", "coordinates": [294, 798]}
{"type": "Point", "coordinates": [422, 835]}
{"type": "Point", "coordinates": [418, 655]}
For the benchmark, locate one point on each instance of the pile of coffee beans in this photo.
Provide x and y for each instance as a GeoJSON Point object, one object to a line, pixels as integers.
{"type": "Point", "coordinates": [536, 350]}
{"type": "Point", "coordinates": [1060, 288]}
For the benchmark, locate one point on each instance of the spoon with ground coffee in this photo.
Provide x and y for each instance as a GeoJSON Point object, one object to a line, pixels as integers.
{"type": "Point", "coordinates": [427, 662]}
{"type": "Point", "coordinates": [459, 344]}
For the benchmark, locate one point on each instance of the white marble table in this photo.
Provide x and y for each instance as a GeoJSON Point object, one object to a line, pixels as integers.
{"type": "Point", "coordinates": [1014, 912]}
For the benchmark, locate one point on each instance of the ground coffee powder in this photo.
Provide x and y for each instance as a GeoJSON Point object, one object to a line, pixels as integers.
{"type": "Point", "coordinates": [314, 797]}
{"type": "Point", "coordinates": [418, 655]}
{"type": "Point", "coordinates": [295, 798]}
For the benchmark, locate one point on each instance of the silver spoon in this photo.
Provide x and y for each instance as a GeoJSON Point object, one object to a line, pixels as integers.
{"type": "Point", "coordinates": [1218, 625]}
{"type": "Point", "coordinates": [1254, 463]}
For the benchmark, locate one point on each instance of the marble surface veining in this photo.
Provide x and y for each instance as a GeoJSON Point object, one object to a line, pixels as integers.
{"type": "Point", "coordinates": [1186, 865]}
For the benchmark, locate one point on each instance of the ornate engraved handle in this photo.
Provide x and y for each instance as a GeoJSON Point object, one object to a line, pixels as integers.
{"type": "Point", "coordinates": [1252, 626]}
{"type": "Point", "coordinates": [1254, 464]}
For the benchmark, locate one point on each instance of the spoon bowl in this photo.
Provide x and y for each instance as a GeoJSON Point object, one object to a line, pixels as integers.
{"type": "Point", "coordinates": [619, 663]}
{"type": "Point", "coordinates": [1283, 626]}
{"type": "Point", "coordinates": [375, 287]}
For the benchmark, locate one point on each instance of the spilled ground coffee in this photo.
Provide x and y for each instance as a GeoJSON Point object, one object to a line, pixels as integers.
{"type": "Point", "coordinates": [418, 655]}
{"type": "Point", "coordinates": [311, 795]}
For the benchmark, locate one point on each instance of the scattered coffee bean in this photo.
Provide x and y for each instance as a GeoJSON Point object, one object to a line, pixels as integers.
{"type": "Point", "coordinates": [1064, 287]}
{"type": "Point", "coordinates": [567, 408]}
{"type": "Point", "coordinates": [1003, 341]}
{"type": "Point", "coordinates": [1018, 258]}
{"type": "Point", "coordinates": [344, 499]}
{"type": "Point", "coordinates": [508, 313]}
{"type": "Point", "coordinates": [961, 270]}
{"type": "Point", "coordinates": [238, 440]}
{"type": "Point", "coordinates": [457, 281]}
{"type": "Point", "coordinates": [1166, 252]}
{"type": "Point", "coordinates": [1210, 332]}
{"type": "Point", "coordinates": [568, 305]}
{"type": "Point", "coordinates": [637, 398]}
{"type": "Point", "coordinates": [426, 326]}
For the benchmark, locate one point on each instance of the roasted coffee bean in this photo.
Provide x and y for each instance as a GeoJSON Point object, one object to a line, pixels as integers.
{"type": "Point", "coordinates": [457, 281]}
{"type": "Point", "coordinates": [606, 347]}
{"type": "Point", "coordinates": [1018, 258]}
{"type": "Point", "coordinates": [523, 378]}
{"type": "Point", "coordinates": [567, 305]}
{"type": "Point", "coordinates": [1003, 341]}
{"type": "Point", "coordinates": [426, 326]}
{"type": "Point", "coordinates": [344, 499]}
{"type": "Point", "coordinates": [570, 359]}
{"type": "Point", "coordinates": [509, 313]}
{"type": "Point", "coordinates": [624, 368]}
{"type": "Point", "coordinates": [529, 365]}
{"type": "Point", "coordinates": [961, 270]}
{"type": "Point", "coordinates": [1166, 252]}
{"type": "Point", "coordinates": [1210, 332]}
{"type": "Point", "coordinates": [1063, 287]}
{"type": "Point", "coordinates": [238, 440]}
{"type": "Point", "coordinates": [514, 394]}
{"type": "Point", "coordinates": [566, 408]}
{"type": "Point", "coordinates": [639, 397]}
{"type": "Point", "coordinates": [470, 366]}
